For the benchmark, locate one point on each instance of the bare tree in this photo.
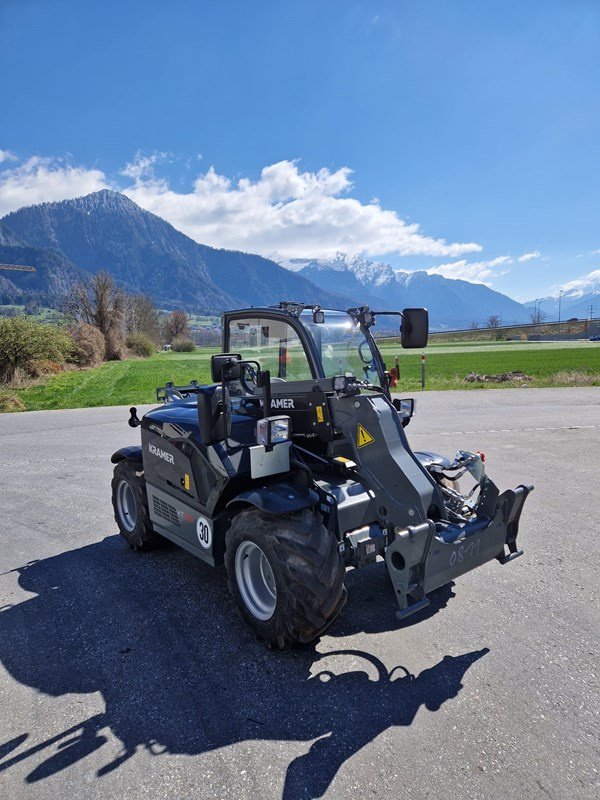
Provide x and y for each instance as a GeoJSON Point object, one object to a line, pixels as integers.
{"type": "Point", "coordinates": [142, 317]}
{"type": "Point", "coordinates": [32, 306]}
{"type": "Point", "coordinates": [175, 325]}
{"type": "Point", "coordinates": [493, 321]}
{"type": "Point", "coordinates": [538, 316]}
{"type": "Point", "coordinates": [103, 304]}
{"type": "Point", "coordinates": [206, 338]}
{"type": "Point", "coordinates": [474, 325]}
{"type": "Point", "coordinates": [9, 311]}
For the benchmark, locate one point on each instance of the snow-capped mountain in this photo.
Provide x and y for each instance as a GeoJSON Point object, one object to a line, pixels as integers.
{"type": "Point", "coordinates": [451, 303]}
{"type": "Point", "coordinates": [579, 298]}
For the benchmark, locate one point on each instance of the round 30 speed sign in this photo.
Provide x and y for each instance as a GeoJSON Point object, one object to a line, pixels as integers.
{"type": "Point", "coordinates": [204, 533]}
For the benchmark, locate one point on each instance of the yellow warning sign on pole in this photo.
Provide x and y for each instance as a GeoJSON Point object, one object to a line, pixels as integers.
{"type": "Point", "coordinates": [363, 437]}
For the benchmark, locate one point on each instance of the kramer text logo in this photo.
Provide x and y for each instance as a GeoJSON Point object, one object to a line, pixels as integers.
{"type": "Point", "coordinates": [156, 451]}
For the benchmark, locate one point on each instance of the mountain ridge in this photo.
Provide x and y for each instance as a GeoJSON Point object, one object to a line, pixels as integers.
{"type": "Point", "coordinates": [451, 302]}
{"type": "Point", "coordinates": [107, 230]}
{"type": "Point", "coordinates": [54, 273]}
{"type": "Point", "coordinates": [144, 253]}
{"type": "Point", "coordinates": [574, 302]}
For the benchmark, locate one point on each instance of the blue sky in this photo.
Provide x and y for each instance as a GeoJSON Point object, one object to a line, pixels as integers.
{"type": "Point", "coordinates": [302, 128]}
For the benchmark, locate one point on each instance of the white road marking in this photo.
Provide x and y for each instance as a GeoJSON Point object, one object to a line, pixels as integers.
{"type": "Point", "coordinates": [506, 430]}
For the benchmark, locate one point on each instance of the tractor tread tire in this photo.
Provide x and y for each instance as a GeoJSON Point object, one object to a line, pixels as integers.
{"type": "Point", "coordinates": [308, 569]}
{"type": "Point", "coordinates": [142, 537]}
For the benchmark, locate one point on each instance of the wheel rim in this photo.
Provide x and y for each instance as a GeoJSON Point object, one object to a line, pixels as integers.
{"type": "Point", "coordinates": [126, 508]}
{"type": "Point", "coordinates": [255, 580]}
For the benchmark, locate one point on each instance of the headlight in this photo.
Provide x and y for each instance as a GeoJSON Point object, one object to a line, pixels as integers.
{"type": "Point", "coordinates": [273, 430]}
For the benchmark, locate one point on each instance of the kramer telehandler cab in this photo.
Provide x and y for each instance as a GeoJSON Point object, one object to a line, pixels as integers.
{"type": "Point", "coordinates": [294, 465]}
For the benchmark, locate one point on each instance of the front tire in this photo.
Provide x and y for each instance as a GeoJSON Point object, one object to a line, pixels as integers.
{"type": "Point", "coordinates": [130, 505]}
{"type": "Point", "coordinates": [285, 574]}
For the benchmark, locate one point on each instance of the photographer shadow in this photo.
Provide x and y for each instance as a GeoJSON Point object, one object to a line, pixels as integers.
{"type": "Point", "coordinates": [158, 637]}
{"type": "Point", "coordinates": [372, 606]}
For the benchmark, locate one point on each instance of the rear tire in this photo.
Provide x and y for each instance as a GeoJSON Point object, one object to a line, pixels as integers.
{"type": "Point", "coordinates": [130, 504]}
{"type": "Point", "coordinates": [285, 574]}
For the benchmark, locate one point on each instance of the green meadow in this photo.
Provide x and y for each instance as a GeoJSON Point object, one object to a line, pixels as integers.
{"type": "Point", "coordinates": [136, 380]}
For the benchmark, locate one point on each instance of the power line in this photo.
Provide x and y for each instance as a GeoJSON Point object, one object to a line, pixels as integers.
{"type": "Point", "coordinates": [18, 267]}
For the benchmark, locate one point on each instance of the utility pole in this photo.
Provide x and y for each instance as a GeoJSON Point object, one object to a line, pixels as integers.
{"type": "Point", "coordinates": [560, 294]}
{"type": "Point", "coordinates": [591, 312]}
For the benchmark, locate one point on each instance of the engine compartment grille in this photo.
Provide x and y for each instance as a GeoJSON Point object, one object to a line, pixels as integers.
{"type": "Point", "coordinates": [165, 510]}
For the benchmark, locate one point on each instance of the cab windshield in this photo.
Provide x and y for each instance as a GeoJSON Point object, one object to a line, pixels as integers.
{"type": "Point", "coordinates": [343, 347]}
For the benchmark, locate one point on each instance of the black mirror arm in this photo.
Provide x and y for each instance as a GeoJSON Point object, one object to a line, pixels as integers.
{"type": "Point", "coordinates": [264, 382]}
{"type": "Point", "coordinates": [378, 361]}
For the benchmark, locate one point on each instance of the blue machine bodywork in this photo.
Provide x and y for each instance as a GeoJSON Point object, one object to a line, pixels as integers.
{"type": "Point", "coordinates": [349, 460]}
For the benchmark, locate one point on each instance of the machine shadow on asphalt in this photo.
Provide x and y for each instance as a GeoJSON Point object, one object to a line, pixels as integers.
{"type": "Point", "coordinates": [157, 636]}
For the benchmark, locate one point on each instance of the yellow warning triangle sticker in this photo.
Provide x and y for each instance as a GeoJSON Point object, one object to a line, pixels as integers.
{"type": "Point", "coordinates": [363, 437]}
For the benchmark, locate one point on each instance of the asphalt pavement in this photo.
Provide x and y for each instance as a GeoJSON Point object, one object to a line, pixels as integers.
{"type": "Point", "coordinates": [128, 675]}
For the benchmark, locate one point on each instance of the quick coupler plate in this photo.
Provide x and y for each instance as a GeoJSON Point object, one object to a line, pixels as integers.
{"type": "Point", "coordinates": [420, 560]}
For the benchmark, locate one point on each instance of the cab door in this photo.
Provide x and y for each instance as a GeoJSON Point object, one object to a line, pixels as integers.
{"type": "Point", "coordinates": [274, 342]}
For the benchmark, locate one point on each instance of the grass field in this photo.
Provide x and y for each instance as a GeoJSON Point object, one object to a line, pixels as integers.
{"type": "Point", "coordinates": [135, 381]}
{"type": "Point", "coordinates": [579, 327]}
{"type": "Point", "coordinates": [394, 348]}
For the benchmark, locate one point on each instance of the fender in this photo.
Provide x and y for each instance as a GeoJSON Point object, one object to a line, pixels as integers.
{"type": "Point", "coordinates": [276, 498]}
{"type": "Point", "coordinates": [132, 453]}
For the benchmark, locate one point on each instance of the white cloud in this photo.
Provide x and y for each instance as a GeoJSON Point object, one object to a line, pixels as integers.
{"type": "Point", "coordinates": [293, 212]}
{"type": "Point", "coordinates": [141, 169]}
{"type": "Point", "coordinates": [39, 180]}
{"type": "Point", "coordinates": [530, 256]}
{"type": "Point", "coordinates": [596, 252]}
{"type": "Point", "coordinates": [6, 155]}
{"type": "Point", "coordinates": [476, 271]}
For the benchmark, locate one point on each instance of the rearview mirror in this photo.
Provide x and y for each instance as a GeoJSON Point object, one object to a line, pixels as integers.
{"type": "Point", "coordinates": [415, 328]}
{"type": "Point", "coordinates": [214, 414]}
{"type": "Point", "coordinates": [228, 363]}
{"type": "Point", "coordinates": [405, 408]}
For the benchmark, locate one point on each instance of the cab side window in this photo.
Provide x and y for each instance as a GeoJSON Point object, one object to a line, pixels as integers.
{"type": "Point", "coordinates": [274, 344]}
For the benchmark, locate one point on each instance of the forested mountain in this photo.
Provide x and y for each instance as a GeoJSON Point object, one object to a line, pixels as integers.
{"type": "Point", "coordinates": [48, 284]}
{"type": "Point", "coordinates": [108, 231]}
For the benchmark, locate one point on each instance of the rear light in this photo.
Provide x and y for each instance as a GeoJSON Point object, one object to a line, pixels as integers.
{"type": "Point", "coordinates": [481, 455]}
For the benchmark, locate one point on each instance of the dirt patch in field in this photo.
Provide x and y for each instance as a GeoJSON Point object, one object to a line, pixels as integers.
{"type": "Point", "coordinates": [575, 378]}
{"type": "Point", "coordinates": [10, 402]}
{"type": "Point", "coordinates": [503, 377]}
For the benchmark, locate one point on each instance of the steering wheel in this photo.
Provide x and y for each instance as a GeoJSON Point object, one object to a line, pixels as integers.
{"type": "Point", "coordinates": [249, 378]}
{"type": "Point", "coordinates": [366, 359]}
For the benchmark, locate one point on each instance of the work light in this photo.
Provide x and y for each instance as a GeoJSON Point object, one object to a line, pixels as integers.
{"type": "Point", "coordinates": [273, 430]}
